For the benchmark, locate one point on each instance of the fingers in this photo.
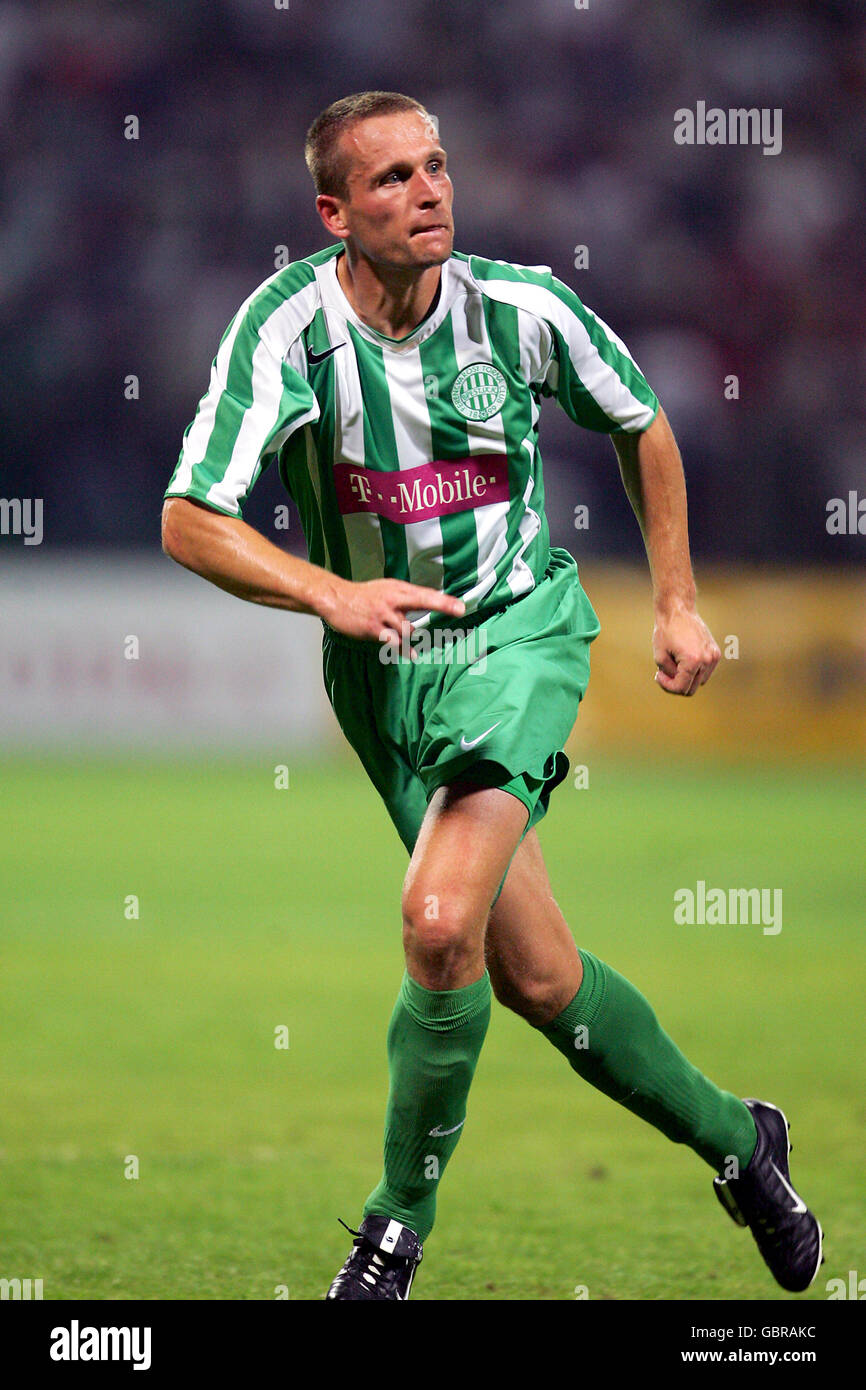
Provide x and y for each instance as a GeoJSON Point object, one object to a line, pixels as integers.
{"type": "Point", "coordinates": [416, 596]}
{"type": "Point", "coordinates": [666, 664]}
{"type": "Point", "coordinates": [380, 608]}
{"type": "Point", "coordinates": [685, 677]}
{"type": "Point", "coordinates": [408, 598]}
{"type": "Point", "coordinates": [686, 681]}
{"type": "Point", "coordinates": [395, 627]}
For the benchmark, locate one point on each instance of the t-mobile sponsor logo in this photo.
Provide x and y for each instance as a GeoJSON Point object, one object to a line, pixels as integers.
{"type": "Point", "coordinates": [418, 494]}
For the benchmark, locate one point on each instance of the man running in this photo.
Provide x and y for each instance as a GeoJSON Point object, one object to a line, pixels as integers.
{"type": "Point", "coordinates": [396, 383]}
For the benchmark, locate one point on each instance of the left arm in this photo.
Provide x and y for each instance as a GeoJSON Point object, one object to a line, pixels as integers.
{"type": "Point", "coordinates": [600, 386]}
{"type": "Point", "coordinates": [683, 646]}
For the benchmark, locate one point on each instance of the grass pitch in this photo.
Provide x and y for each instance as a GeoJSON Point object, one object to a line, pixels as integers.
{"type": "Point", "coordinates": [148, 1043]}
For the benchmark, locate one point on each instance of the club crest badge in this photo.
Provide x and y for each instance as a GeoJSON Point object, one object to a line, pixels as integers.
{"type": "Point", "coordinates": [479, 391]}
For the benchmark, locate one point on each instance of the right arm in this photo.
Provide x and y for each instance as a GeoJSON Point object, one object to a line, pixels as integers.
{"type": "Point", "coordinates": [255, 399]}
{"type": "Point", "coordinates": [231, 554]}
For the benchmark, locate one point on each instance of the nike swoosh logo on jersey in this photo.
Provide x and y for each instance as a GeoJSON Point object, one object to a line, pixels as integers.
{"type": "Point", "coordinates": [467, 743]}
{"type": "Point", "coordinates": [799, 1205]}
{"type": "Point", "coordinates": [438, 1133]}
{"type": "Point", "coordinates": [314, 357]}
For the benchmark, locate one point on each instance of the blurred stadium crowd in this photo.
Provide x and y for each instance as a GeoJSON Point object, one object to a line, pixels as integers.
{"type": "Point", "coordinates": [122, 256]}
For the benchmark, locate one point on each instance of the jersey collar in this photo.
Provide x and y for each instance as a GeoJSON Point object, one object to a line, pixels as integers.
{"type": "Point", "coordinates": [334, 298]}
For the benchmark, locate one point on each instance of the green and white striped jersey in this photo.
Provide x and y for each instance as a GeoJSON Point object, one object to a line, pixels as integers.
{"type": "Point", "coordinates": [414, 458]}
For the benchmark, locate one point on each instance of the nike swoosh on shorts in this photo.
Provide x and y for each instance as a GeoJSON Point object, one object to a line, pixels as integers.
{"type": "Point", "coordinates": [466, 743]}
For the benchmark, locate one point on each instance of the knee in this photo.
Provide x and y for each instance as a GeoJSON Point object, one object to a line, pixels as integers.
{"type": "Point", "coordinates": [439, 933]}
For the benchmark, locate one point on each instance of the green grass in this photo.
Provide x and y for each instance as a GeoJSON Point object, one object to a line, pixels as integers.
{"type": "Point", "coordinates": [258, 908]}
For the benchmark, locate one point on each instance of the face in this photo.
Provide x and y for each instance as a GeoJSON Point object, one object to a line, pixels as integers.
{"type": "Point", "coordinates": [398, 209]}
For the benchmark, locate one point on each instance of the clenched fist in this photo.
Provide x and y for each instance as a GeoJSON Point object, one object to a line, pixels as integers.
{"type": "Point", "coordinates": [685, 651]}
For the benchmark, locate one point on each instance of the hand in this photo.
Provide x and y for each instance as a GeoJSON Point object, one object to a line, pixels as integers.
{"type": "Point", "coordinates": [684, 651]}
{"type": "Point", "coordinates": [376, 608]}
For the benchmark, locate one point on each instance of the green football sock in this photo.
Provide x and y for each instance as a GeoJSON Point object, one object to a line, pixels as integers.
{"type": "Point", "coordinates": [434, 1041]}
{"type": "Point", "coordinates": [612, 1039]}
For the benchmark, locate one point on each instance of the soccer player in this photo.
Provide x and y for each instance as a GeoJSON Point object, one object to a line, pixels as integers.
{"type": "Point", "coordinates": [396, 383]}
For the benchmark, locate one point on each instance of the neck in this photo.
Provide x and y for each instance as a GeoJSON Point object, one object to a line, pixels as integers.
{"type": "Point", "coordinates": [392, 300]}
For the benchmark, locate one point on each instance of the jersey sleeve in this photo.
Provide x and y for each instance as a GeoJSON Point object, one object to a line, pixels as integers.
{"type": "Point", "coordinates": [254, 402]}
{"type": "Point", "coordinates": [590, 370]}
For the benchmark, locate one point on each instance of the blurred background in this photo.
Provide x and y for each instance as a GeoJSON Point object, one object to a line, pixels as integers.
{"type": "Point", "coordinates": [192, 857]}
{"type": "Point", "coordinates": [123, 259]}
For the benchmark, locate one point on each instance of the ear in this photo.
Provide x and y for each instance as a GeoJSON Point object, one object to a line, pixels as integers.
{"type": "Point", "coordinates": [330, 209]}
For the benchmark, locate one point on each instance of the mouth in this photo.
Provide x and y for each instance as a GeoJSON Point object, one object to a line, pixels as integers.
{"type": "Point", "coordinates": [434, 227]}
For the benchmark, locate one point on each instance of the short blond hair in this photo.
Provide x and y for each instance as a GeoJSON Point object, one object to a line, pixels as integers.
{"type": "Point", "coordinates": [325, 160]}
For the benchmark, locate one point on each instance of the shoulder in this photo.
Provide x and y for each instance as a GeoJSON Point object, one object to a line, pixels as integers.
{"type": "Point", "coordinates": [533, 288]}
{"type": "Point", "coordinates": [504, 279]}
{"type": "Point", "coordinates": [281, 307]}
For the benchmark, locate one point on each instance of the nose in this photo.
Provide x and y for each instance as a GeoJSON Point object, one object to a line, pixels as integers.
{"type": "Point", "coordinates": [427, 189]}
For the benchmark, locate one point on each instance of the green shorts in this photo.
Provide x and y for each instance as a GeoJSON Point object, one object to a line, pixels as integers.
{"type": "Point", "coordinates": [490, 699]}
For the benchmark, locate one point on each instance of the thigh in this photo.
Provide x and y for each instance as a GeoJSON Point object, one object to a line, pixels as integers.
{"type": "Point", "coordinates": [466, 841]}
{"type": "Point", "coordinates": [463, 849]}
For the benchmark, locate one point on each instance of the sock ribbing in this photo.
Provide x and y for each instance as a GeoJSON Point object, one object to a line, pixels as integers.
{"type": "Point", "coordinates": [444, 1009]}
